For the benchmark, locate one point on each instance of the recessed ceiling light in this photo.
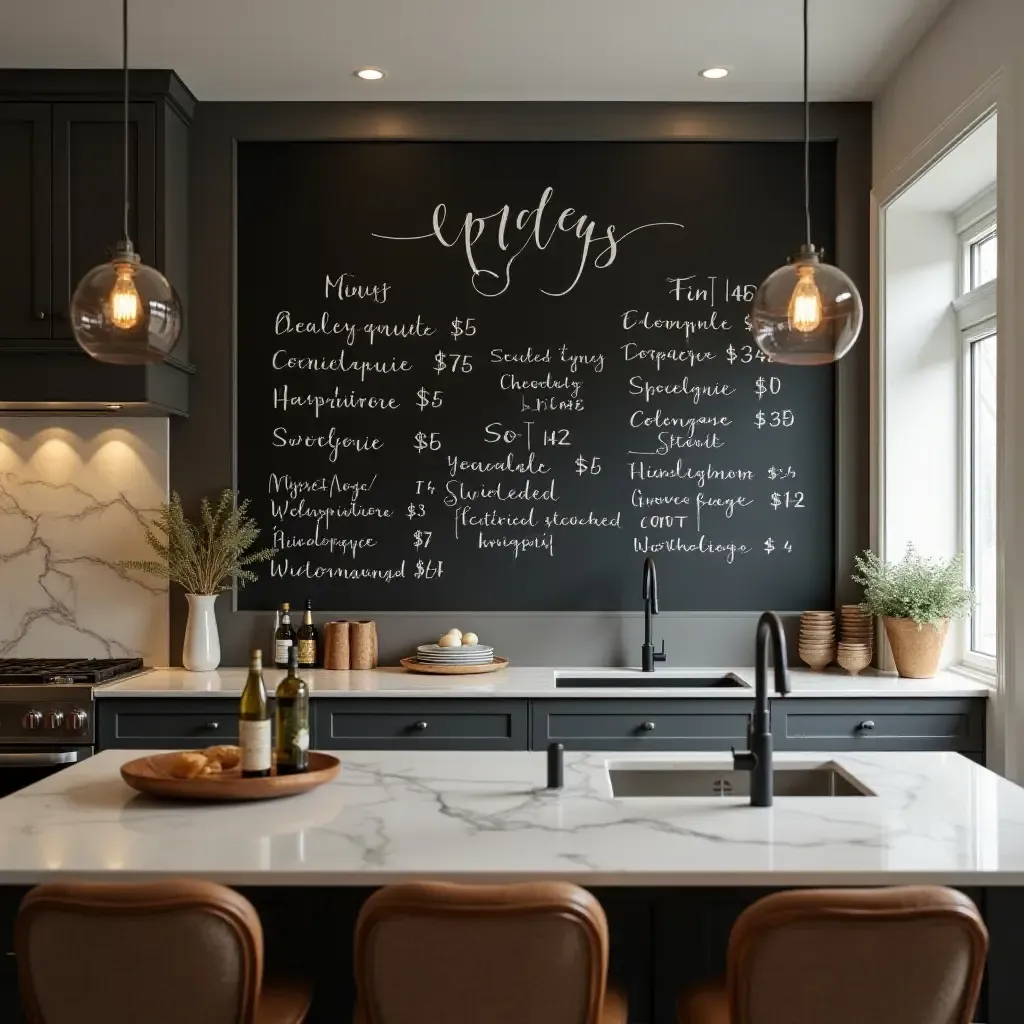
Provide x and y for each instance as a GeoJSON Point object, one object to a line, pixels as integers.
{"type": "Point", "coordinates": [714, 73]}
{"type": "Point", "coordinates": [370, 74]}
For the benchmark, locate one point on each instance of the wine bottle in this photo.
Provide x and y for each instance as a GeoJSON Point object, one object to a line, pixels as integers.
{"type": "Point", "coordinates": [254, 722]}
{"type": "Point", "coordinates": [291, 746]}
{"type": "Point", "coordinates": [284, 637]}
{"type": "Point", "coordinates": [273, 635]}
{"type": "Point", "coordinates": [309, 639]}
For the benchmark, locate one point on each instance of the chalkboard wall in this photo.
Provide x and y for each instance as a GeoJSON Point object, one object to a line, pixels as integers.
{"type": "Point", "coordinates": [498, 375]}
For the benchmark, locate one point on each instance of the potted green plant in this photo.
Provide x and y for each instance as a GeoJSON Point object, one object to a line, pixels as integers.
{"type": "Point", "coordinates": [915, 597]}
{"type": "Point", "coordinates": [204, 559]}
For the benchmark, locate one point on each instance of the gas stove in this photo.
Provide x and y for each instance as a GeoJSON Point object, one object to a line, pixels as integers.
{"type": "Point", "coordinates": [49, 701]}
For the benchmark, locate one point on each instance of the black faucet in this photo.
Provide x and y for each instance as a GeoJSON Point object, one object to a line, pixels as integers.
{"type": "Point", "coordinates": [757, 758]}
{"type": "Point", "coordinates": [648, 655]}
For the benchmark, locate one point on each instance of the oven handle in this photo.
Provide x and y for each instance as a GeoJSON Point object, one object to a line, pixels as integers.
{"type": "Point", "coordinates": [38, 758]}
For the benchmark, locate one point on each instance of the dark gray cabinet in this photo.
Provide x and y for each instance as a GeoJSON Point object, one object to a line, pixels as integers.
{"type": "Point", "coordinates": [61, 212]}
{"type": "Point", "coordinates": [680, 724]}
{"type": "Point", "coordinates": [893, 723]}
{"type": "Point", "coordinates": [368, 723]}
{"type": "Point", "coordinates": [395, 724]}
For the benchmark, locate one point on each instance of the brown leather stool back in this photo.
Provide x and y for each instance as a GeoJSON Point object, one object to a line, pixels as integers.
{"type": "Point", "coordinates": [432, 953]}
{"type": "Point", "coordinates": [912, 955]}
{"type": "Point", "coordinates": [160, 953]}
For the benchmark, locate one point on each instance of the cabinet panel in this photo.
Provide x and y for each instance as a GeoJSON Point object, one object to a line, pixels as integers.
{"type": "Point", "coordinates": [888, 724]}
{"type": "Point", "coordinates": [88, 192]}
{"type": "Point", "coordinates": [24, 221]}
{"type": "Point", "coordinates": [695, 724]}
{"type": "Point", "coordinates": [166, 724]}
{"type": "Point", "coordinates": [421, 725]}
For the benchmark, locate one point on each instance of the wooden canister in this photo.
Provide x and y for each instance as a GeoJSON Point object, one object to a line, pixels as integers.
{"type": "Point", "coordinates": [336, 646]}
{"type": "Point", "coordinates": [363, 644]}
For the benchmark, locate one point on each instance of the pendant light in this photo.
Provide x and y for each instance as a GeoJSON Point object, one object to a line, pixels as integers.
{"type": "Point", "coordinates": [124, 312]}
{"type": "Point", "coordinates": [807, 312]}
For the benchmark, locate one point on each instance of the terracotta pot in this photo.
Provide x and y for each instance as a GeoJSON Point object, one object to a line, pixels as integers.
{"type": "Point", "coordinates": [916, 649]}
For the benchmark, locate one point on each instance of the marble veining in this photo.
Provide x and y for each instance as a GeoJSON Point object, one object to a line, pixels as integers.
{"type": "Point", "coordinates": [538, 682]}
{"type": "Point", "coordinates": [397, 815]}
{"type": "Point", "coordinates": [75, 495]}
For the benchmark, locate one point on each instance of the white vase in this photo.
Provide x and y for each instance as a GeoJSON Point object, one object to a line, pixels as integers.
{"type": "Point", "coordinates": [202, 641]}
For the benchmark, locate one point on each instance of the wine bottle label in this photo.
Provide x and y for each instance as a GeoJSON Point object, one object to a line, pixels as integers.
{"type": "Point", "coordinates": [281, 651]}
{"type": "Point", "coordinates": [254, 739]}
{"type": "Point", "coordinates": [307, 652]}
{"type": "Point", "coordinates": [292, 733]}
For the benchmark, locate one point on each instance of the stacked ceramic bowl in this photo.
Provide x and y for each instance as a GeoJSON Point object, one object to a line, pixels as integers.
{"type": "Point", "coordinates": [856, 638]}
{"type": "Point", "coordinates": [818, 639]}
{"type": "Point", "coordinates": [467, 654]}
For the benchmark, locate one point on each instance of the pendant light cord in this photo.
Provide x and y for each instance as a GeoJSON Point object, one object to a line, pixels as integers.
{"type": "Point", "coordinates": [124, 60]}
{"type": "Point", "coordinates": [807, 133]}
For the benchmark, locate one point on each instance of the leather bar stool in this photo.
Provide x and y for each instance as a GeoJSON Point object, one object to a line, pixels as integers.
{"type": "Point", "coordinates": [162, 953]}
{"type": "Point", "coordinates": [436, 953]}
{"type": "Point", "coordinates": [912, 955]}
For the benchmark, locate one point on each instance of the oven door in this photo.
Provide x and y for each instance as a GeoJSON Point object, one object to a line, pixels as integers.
{"type": "Point", "coordinates": [21, 766]}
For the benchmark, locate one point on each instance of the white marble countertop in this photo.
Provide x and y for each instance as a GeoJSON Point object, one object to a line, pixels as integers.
{"type": "Point", "coordinates": [538, 682]}
{"type": "Point", "coordinates": [392, 816]}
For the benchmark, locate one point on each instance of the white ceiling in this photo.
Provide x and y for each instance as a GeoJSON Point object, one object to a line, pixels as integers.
{"type": "Point", "coordinates": [479, 49]}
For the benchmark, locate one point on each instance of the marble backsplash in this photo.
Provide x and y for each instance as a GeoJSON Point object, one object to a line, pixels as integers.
{"type": "Point", "coordinates": [75, 494]}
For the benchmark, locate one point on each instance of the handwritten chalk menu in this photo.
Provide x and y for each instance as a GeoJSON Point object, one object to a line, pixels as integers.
{"type": "Point", "coordinates": [500, 375]}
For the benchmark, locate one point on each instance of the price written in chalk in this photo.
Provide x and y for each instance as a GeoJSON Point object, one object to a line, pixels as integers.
{"type": "Point", "coordinates": [426, 442]}
{"type": "Point", "coordinates": [770, 546]}
{"type": "Point", "coordinates": [426, 399]}
{"type": "Point", "coordinates": [415, 510]}
{"type": "Point", "coordinates": [790, 499]}
{"type": "Point", "coordinates": [428, 570]}
{"type": "Point", "coordinates": [781, 473]}
{"type": "Point", "coordinates": [766, 386]}
{"type": "Point", "coordinates": [745, 354]}
{"type": "Point", "coordinates": [775, 418]}
{"type": "Point", "coordinates": [421, 538]}
{"type": "Point", "coordinates": [585, 465]}
{"type": "Point", "coordinates": [455, 362]}
{"type": "Point", "coordinates": [463, 327]}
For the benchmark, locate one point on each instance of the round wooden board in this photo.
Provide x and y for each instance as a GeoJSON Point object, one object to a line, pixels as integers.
{"type": "Point", "coordinates": [149, 775]}
{"type": "Point", "coordinates": [412, 665]}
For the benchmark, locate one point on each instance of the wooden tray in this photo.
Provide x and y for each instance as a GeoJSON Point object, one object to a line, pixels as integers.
{"type": "Point", "coordinates": [412, 665]}
{"type": "Point", "coordinates": [149, 775]}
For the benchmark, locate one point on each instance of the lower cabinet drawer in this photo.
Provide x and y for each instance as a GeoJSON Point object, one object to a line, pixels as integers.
{"type": "Point", "coordinates": [360, 724]}
{"type": "Point", "coordinates": [640, 724]}
{"type": "Point", "coordinates": [888, 724]}
{"type": "Point", "coordinates": [168, 723]}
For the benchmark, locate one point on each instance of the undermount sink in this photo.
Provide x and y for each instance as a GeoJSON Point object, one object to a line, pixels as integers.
{"type": "Point", "coordinates": [655, 679]}
{"type": "Point", "coordinates": [674, 780]}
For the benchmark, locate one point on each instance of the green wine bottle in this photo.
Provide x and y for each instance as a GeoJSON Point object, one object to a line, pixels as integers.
{"type": "Point", "coordinates": [254, 722]}
{"type": "Point", "coordinates": [291, 746]}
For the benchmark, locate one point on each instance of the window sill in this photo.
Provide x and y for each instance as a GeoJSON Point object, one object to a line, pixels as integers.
{"type": "Point", "coordinates": [975, 674]}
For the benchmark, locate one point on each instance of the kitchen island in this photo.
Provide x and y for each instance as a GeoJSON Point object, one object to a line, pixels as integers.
{"type": "Point", "coordinates": [672, 872]}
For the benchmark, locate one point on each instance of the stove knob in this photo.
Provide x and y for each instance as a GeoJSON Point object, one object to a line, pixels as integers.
{"type": "Point", "coordinates": [77, 720]}
{"type": "Point", "coordinates": [55, 720]}
{"type": "Point", "coordinates": [33, 720]}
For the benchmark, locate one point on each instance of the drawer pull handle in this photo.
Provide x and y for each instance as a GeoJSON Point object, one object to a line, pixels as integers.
{"type": "Point", "coordinates": [647, 726]}
{"type": "Point", "coordinates": [420, 726]}
{"type": "Point", "coordinates": [212, 726]}
{"type": "Point", "coordinates": [866, 726]}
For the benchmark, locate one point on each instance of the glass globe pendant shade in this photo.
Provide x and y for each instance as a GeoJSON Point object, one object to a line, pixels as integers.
{"type": "Point", "coordinates": [807, 312]}
{"type": "Point", "coordinates": [126, 313]}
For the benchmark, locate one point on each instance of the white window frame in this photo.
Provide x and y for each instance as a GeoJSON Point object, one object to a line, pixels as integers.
{"type": "Point", "coordinates": [976, 314]}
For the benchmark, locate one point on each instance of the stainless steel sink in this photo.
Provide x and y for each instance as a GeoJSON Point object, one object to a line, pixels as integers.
{"type": "Point", "coordinates": [680, 781]}
{"type": "Point", "coordinates": [654, 679]}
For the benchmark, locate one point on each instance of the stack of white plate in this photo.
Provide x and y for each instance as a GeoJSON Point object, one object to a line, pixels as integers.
{"type": "Point", "coordinates": [473, 654]}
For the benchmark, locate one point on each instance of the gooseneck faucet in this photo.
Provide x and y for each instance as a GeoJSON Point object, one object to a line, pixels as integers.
{"type": "Point", "coordinates": [648, 655]}
{"type": "Point", "coordinates": [757, 758]}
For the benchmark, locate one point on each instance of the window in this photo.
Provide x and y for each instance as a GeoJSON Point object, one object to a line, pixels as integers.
{"type": "Point", "coordinates": [976, 311]}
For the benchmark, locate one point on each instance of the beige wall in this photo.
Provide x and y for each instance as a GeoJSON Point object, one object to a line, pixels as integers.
{"type": "Point", "coordinates": [973, 58]}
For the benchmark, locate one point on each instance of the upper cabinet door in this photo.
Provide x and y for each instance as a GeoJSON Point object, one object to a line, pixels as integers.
{"type": "Point", "coordinates": [88, 192]}
{"type": "Point", "coordinates": [24, 221]}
